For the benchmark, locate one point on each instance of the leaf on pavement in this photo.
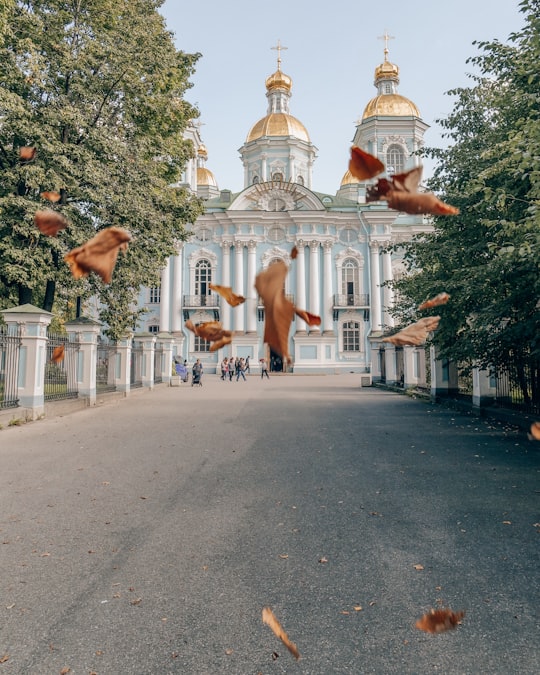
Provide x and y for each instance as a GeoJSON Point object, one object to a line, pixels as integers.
{"type": "Point", "coordinates": [439, 620]}
{"type": "Point", "coordinates": [269, 619]}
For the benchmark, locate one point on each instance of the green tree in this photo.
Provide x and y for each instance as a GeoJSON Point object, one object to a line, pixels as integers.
{"type": "Point", "coordinates": [487, 258]}
{"type": "Point", "coordinates": [97, 87]}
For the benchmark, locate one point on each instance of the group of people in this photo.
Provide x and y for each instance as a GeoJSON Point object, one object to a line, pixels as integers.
{"type": "Point", "coordinates": [231, 367]}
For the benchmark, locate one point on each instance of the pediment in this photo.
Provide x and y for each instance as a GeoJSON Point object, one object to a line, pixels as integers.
{"type": "Point", "coordinates": [277, 196]}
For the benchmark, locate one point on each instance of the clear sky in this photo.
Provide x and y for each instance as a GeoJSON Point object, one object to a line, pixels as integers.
{"type": "Point", "coordinates": [332, 52]}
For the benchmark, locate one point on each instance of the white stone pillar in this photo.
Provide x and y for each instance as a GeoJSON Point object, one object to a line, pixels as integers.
{"type": "Point", "coordinates": [443, 375]}
{"type": "Point", "coordinates": [239, 285]}
{"type": "Point", "coordinates": [147, 341]}
{"type": "Point", "coordinates": [226, 281]}
{"type": "Point", "coordinates": [251, 294]}
{"type": "Point", "coordinates": [264, 173]}
{"type": "Point", "coordinates": [166, 341]}
{"type": "Point", "coordinates": [165, 298]}
{"type": "Point", "coordinates": [327, 319]}
{"type": "Point", "coordinates": [484, 387]}
{"type": "Point", "coordinates": [85, 332]}
{"type": "Point", "coordinates": [390, 363]}
{"type": "Point", "coordinates": [122, 365]}
{"type": "Point", "coordinates": [388, 293]}
{"type": "Point", "coordinates": [375, 290]}
{"type": "Point", "coordinates": [176, 300]}
{"type": "Point", "coordinates": [33, 323]}
{"type": "Point", "coordinates": [300, 300]}
{"type": "Point", "coordinates": [314, 281]}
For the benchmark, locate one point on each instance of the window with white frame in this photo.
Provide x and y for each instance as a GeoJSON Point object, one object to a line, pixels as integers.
{"type": "Point", "coordinates": [351, 336]}
{"type": "Point", "coordinates": [349, 279]}
{"type": "Point", "coordinates": [203, 277]}
{"type": "Point", "coordinates": [395, 159]}
{"type": "Point", "coordinates": [200, 345]}
{"type": "Point", "coordinates": [153, 328]}
{"type": "Point", "coordinates": [154, 295]}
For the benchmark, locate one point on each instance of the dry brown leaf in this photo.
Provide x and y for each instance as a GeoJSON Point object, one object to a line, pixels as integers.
{"type": "Point", "coordinates": [227, 294]}
{"type": "Point", "coordinates": [439, 299]}
{"type": "Point", "coordinates": [439, 620]}
{"type": "Point", "coordinates": [278, 310]}
{"type": "Point", "coordinates": [416, 333]}
{"type": "Point", "coordinates": [269, 619]}
{"type": "Point", "coordinates": [535, 431]}
{"type": "Point", "coordinates": [50, 222]}
{"type": "Point", "coordinates": [4, 658]}
{"type": "Point", "coordinates": [294, 253]}
{"type": "Point", "coordinates": [362, 165]}
{"type": "Point", "coordinates": [65, 671]}
{"type": "Point", "coordinates": [212, 331]}
{"type": "Point", "coordinates": [51, 196]}
{"type": "Point", "coordinates": [419, 203]}
{"type": "Point", "coordinates": [27, 153]}
{"type": "Point", "coordinates": [99, 254]}
{"type": "Point", "coordinates": [418, 567]}
{"type": "Point", "coordinates": [308, 317]}
{"type": "Point", "coordinates": [58, 354]}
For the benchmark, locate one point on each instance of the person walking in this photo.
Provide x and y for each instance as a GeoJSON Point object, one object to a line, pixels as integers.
{"type": "Point", "coordinates": [231, 368]}
{"type": "Point", "coordinates": [247, 366]}
{"type": "Point", "coordinates": [264, 368]}
{"type": "Point", "coordinates": [240, 366]}
{"type": "Point", "coordinates": [224, 368]}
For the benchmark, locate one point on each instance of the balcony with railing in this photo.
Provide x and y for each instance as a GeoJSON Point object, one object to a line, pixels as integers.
{"type": "Point", "coordinates": [196, 301]}
{"type": "Point", "coordinates": [351, 300]}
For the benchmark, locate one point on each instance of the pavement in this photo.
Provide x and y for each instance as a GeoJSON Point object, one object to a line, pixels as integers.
{"type": "Point", "coordinates": [146, 536]}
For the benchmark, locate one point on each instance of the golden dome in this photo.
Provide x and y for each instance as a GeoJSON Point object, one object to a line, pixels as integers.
{"type": "Point", "coordinates": [348, 179]}
{"type": "Point", "coordinates": [205, 177]}
{"type": "Point", "coordinates": [390, 105]}
{"type": "Point", "coordinates": [278, 80]}
{"type": "Point", "coordinates": [385, 71]}
{"type": "Point", "coordinates": [202, 151]}
{"type": "Point", "coordinates": [278, 124]}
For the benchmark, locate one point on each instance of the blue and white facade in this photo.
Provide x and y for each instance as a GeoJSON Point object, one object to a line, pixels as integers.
{"type": "Point", "coordinates": [342, 260]}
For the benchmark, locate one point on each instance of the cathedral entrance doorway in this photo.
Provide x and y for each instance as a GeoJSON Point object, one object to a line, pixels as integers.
{"type": "Point", "coordinates": [276, 362]}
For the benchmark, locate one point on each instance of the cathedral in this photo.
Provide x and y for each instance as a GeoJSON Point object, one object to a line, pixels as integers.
{"type": "Point", "coordinates": [342, 242]}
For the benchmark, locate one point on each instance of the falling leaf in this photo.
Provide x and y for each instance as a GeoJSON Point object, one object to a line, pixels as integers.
{"type": "Point", "coordinates": [269, 619]}
{"type": "Point", "coordinates": [294, 253]}
{"type": "Point", "coordinates": [212, 331]}
{"type": "Point", "coordinates": [51, 196]}
{"type": "Point", "coordinates": [227, 294]}
{"type": "Point", "coordinates": [535, 431]}
{"type": "Point", "coordinates": [99, 254]}
{"type": "Point", "coordinates": [439, 620]}
{"type": "Point", "coordinates": [279, 311]}
{"type": "Point", "coordinates": [439, 299]}
{"type": "Point", "coordinates": [362, 165]}
{"type": "Point", "coordinates": [308, 317]}
{"type": "Point", "coordinates": [50, 222]}
{"type": "Point", "coordinates": [27, 153]}
{"type": "Point", "coordinates": [408, 181]}
{"type": "Point", "coordinates": [421, 202]}
{"type": "Point", "coordinates": [58, 354]}
{"type": "Point", "coordinates": [416, 333]}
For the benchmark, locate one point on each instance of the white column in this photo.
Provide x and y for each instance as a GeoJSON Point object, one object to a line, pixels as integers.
{"type": "Point", "coordinates": [263, 167]}
{"type": "Point", "coordinates": [375, 290]}
{"type": "Point", "coordinates": [251, 294]}
{"type": "Point", "coordinates": [226, 281]}
{"type": "Point", "coordinates": [327, 320]}
{"type": "Point", "coordinates": [314, 281]}
{"type": "Point", "coordinates": [300, 300]}
{"type": "Point", "coordinates": [239, 285]}
{"type": "Point", "coordinates": [388, 293]}
{"type": "Point", "coordinates": [177, 299]}
{"type": "Point", "coordinates": [165, 298]}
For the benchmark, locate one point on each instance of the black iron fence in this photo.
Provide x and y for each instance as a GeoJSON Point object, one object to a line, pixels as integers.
{"type": "Point", "coordinates": [60, 368]}
{"type": "Point", "coordinates": [518, 386]}
{"type": "Point", "coordinates": [105, 365]}
{"type": "Point", "coordinates": [10, 341]}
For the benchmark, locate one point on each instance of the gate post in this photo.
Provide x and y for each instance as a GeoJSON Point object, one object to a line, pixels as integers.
{"type": "Point", "coordinates": [484, 387]}
{"type": "Point", "coordinates": [86, 331]}
{"type": "Point", "coordinates": [33, 323]}
{"type": "Point", "coordinates": [122, 365]}
{"type": "Point", "coordinates": [390, 364]}
{"type": "Point", "coordinates": [147, 341]}
{"type": "Point", "coordinates": [444, 381]}
{"type": "Point", "coordinates": [411, 370]}
{"type": "Point", "coordinates": [166, 340]}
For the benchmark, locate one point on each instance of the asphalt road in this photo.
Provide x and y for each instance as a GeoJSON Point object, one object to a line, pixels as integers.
{"type": "Point", "coordinates": [146, 536]}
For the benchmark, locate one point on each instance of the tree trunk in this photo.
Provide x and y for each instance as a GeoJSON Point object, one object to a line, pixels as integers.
{"type": "Point", "coordinates": [25, 295]}
{"type": "Point", "coordinates": [49, 295]}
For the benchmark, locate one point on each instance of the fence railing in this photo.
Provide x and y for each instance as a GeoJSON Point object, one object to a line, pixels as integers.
{"type": "Point", "coordinates": [60, 368]}
{"type": "Point", "coordinates": [10, 343]}
{"type": "Point", "coordinates": [135, 380]}
{"type": "Point", "coordinates": [518, 387]}
{"type": "Point", "coordinates": [105, 366]}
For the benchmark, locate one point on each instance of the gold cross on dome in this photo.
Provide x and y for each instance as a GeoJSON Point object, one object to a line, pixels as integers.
{"type": "Point", "coordinates": [279, 47]}
{"type": "Point", "coordinates": [386, 37]}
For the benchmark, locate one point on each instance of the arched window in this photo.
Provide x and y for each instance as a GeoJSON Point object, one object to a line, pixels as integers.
{"type": "Point", "coordinates": [349, 280]}
{"type": "Point", "coordinates": [300, 180]}
{"type": "Point", "coordinates": [203, 277]}
{"type": "Point", "coordinates": [351, 336]}
{"type": "Point", "coordinates": [277, 176]}
{"type": "Point", "coordinates": [395, 159]}
{"type": "Point", "coordinates": [255, 180]}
